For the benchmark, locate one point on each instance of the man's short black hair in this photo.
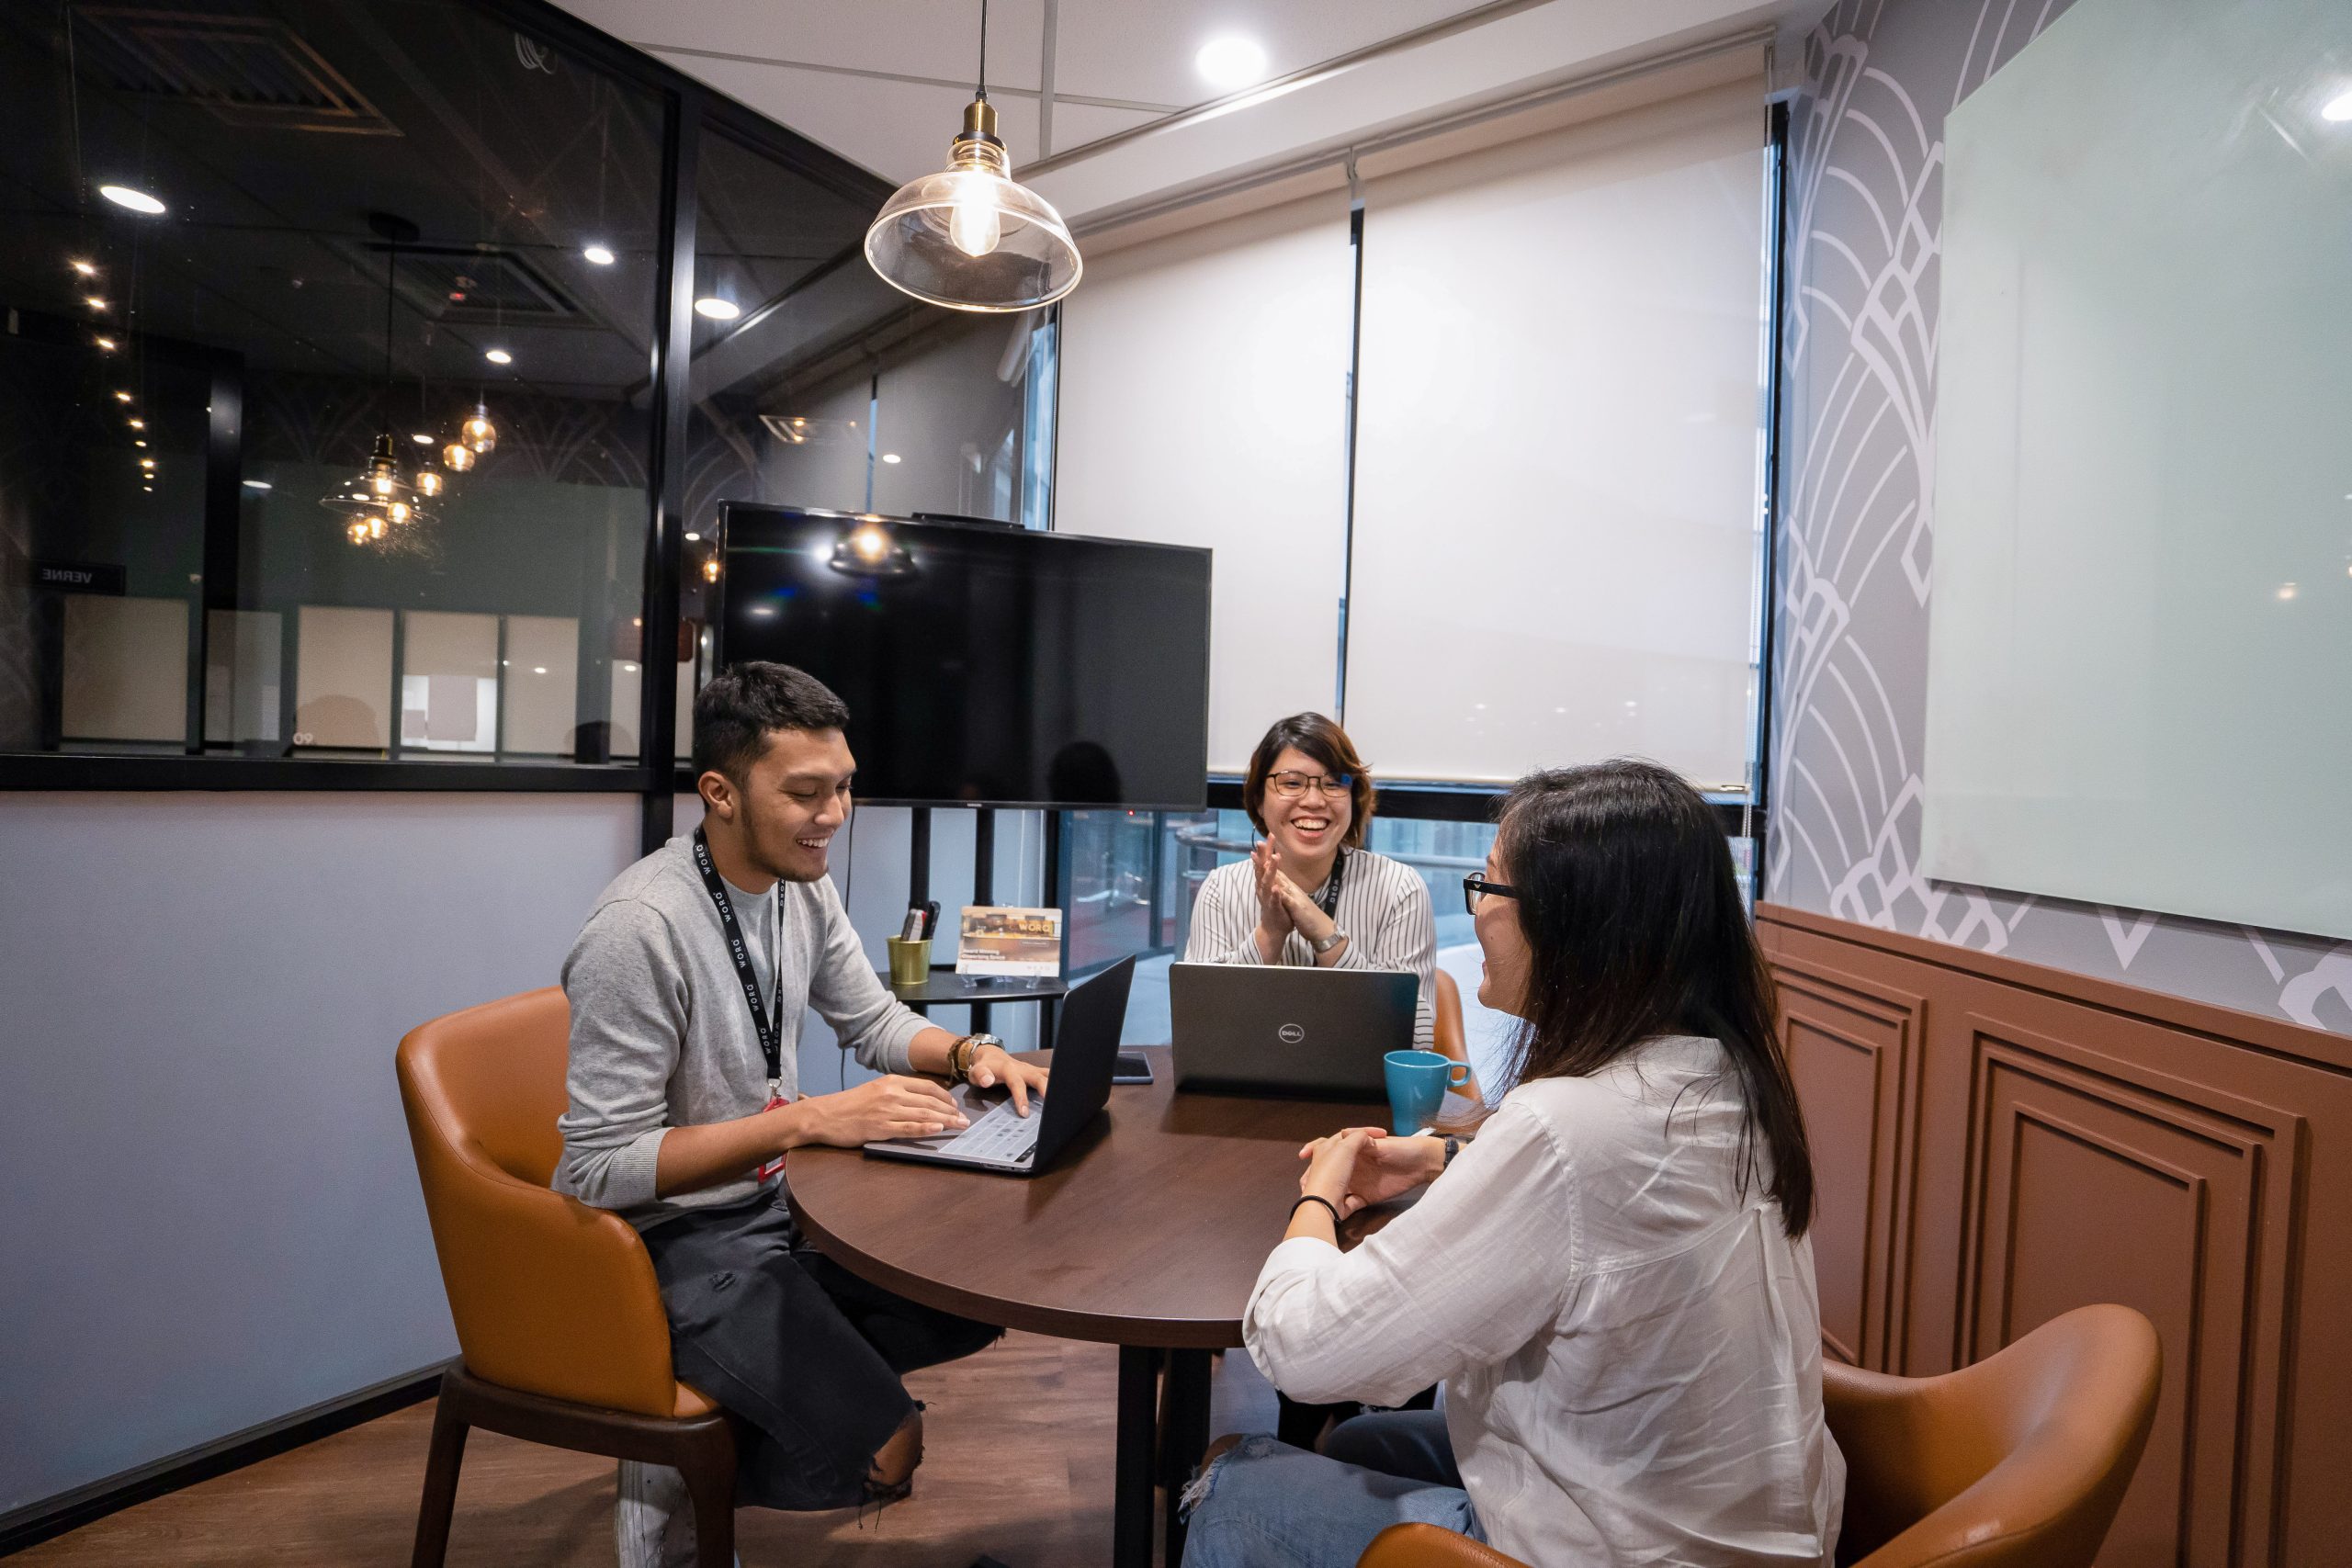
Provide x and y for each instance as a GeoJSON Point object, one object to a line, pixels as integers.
{"type": "Point", "coordinates": [743, 702]}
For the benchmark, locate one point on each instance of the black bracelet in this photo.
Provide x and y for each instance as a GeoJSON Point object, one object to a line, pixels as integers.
{"type": "Point", "coordinates": [1311, 1198]}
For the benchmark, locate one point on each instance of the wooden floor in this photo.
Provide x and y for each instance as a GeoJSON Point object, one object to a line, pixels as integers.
{"type": "Point", "coordinates": [1017, 1465]}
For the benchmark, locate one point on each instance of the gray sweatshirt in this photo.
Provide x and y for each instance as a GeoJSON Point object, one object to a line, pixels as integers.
{"type": "Point", "coordinates": [660, 1034]}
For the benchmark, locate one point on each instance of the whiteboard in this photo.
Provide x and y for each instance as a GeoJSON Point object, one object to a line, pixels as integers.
{"type": "Point", "coordinates": [2139, 663]}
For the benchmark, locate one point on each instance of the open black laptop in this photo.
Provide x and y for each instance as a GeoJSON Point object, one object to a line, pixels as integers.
{"type": "Point", "coordinates": [1086, 1043]}
{"type": "Point", "coordinates": [1278, 1030]}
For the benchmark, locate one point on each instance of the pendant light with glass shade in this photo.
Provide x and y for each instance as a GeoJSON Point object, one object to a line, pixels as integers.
{"type": "Point", "coordinates": [969, 237]}
{"type": "Point", "coordinates": [379, 506]}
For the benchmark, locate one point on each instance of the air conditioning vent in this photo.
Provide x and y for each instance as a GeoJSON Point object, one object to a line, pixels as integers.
{"type": "Point", "coordinates": [248, 70]}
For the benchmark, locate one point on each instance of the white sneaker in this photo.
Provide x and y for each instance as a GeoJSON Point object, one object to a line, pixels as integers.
{"type": "Point", "coordinates": [653, 1520]}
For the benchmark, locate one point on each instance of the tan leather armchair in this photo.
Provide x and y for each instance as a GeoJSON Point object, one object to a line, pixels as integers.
{"type": "Point", "coordinates": [560, 1330]}
{"type": "Point", "coordinates": [2019, 1461]}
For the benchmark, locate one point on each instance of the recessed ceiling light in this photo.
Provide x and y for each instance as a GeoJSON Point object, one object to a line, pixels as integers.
{"type": "Point", "coordinates": [718, 310]}
{"type": "Point", "coordinates": [2285, 591]}
{"type": "Point", "coordinates": [94, 302]}
{"type": "Point", "coordinates": [598, 255]}
{"type": "Point", "coordinates": [105, 344]}
{"type": "Point", "coordinates": [2338, 107]}
{"type": "Point", "coordinates": [125, 397]}
{"type": "Point", "coordinates": [538, 669]}
{"type": "Point", "coordinates": [693, 539]}
{"type": "Point", "coordinates": [889, 456]}
{"type": "Point", "coordinates": [138, 424]}
{"type": "Point", "coordinates": [256, 484]}
{"type": "Point", "coordinates": [146, 462]}
{"type": "Point", "coordinates": [499, 357]}
{"type": "Point", "coordinates": [139, 443]}
{"type": "Point", "coordinates": [628, 669]}
{"type": "Point", "coordinates": [1230, 63]}
{"type": "Point", "coordinates": [84, 268]}
{"type": "Point", "coordinates": [137, 200]}
{"type": "Point", "coordinates": [421, 438]}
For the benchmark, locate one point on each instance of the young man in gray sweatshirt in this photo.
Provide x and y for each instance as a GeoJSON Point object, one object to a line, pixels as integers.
{"type": "Point", "coordinates": [687, 987]}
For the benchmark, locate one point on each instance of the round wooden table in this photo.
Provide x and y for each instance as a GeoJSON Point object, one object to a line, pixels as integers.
{"type": "Point", "coordinates": [1147, 1233]}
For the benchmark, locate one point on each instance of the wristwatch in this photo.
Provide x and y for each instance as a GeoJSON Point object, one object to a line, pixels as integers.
{"type": "Point", "coordinates": [1328, 943]}
{"type": "Point", "coordinates": [1453, 1147]}
{"type": "Point", "coordinates": [960, 1054]}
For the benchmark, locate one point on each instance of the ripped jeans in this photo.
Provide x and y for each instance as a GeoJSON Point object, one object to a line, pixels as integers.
{"type": "Point", "coordinates": [1266, 1504]}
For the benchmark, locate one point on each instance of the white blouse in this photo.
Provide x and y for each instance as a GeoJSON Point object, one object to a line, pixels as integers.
{"type": "Point", "coordinates": [1631, 1347]}
{"type": "Point", "coordinates": [1384, 906]}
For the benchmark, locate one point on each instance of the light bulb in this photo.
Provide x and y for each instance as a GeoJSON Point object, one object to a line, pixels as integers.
{"type": "Point", "coordinates": [130, 196]}
{"type": "Point", "coordinates": [458, 457]}
{"type": "Point", "coordinates": [711, 569]}
{"type": "Point", "coordinates": [428, 483]}
{"type": "Point", "coordinates": [375, 527]}
{"type": "Point", "coordinates": [381, 483]}
{"type": "Point", "coordinates": [358, 532]}
{"type": "Point", "coordinates": [973, 223]}
{"type": "Point", "coordinates": [399, 511]}
{"type": "Point", "coordinates": [479, 432]}
{"type": "Point", "coordinates": [870, 542]}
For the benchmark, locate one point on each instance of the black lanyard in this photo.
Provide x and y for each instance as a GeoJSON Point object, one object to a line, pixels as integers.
{"type": "Point", "coordinates": [1328, 900]}
{"type": "Point", "coordinates": [771, 1038]}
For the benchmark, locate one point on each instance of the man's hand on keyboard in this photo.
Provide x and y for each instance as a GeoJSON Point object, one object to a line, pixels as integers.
{"type": "Point", "coordinates": [888, 1107]}
{"type": "Point", "coordinates": [992, 1066]}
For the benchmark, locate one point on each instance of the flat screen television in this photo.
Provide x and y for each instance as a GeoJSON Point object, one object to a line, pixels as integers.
{"type": "Point", "coordinates": [982, 663]}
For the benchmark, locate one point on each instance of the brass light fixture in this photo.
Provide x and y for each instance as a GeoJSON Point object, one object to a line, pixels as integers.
{"type": "Point", "coordinates": [969, 237]}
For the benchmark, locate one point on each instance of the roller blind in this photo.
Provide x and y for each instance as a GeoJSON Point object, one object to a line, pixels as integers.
{"type": "Point", "coordinates": [1203, 402]}
{"type": "Point", "coordinates": [1559, 449]}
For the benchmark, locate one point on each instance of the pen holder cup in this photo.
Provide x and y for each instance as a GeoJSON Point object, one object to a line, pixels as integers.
{"type": "Point", "coordinates": [909, 960]}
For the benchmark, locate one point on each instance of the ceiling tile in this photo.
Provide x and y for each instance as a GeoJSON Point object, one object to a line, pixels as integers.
{"type": "Point", "coordinates": [936, 38]}
{"type": "Point", "coordinates": [1143, 50]}
{"type": "Point", "coordinates": [1076, 125]}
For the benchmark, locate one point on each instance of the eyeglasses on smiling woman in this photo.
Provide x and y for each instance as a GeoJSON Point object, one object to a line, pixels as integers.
{"type": "Point", "coordinates": [1476, 890]}
{"type": "Point", "coordinates": [1290, 786]}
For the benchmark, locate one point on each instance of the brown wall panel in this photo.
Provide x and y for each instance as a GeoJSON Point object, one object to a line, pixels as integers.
{"type": "Point", "coordinates": [1852, 1049]}
{"type": "Point", "coordinates": [2031, 1140]}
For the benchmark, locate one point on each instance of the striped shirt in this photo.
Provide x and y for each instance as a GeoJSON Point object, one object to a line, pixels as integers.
{"type": "Point", "coordinates": [1384, 908]}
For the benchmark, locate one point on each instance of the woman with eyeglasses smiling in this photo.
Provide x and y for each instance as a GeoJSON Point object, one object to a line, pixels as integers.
{"type": "Point", "coordinates": [1310, 892]}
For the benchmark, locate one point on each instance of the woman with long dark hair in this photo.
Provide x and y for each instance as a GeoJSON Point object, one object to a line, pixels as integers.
{"type": "Point", "coordinates": [1613, 1283]}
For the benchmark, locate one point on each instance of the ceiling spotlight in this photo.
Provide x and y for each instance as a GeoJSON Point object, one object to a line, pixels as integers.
{"type": "Point", "coordinates": [146, 462]}
{"type": "Point", "coordinates": [889, 456]}
{"type": "Point", "coordinates": [139, 443]}
{"type": "Point", "coordinates": [137, 200]}
{"type": "Point", "coordinates": [84, 268]}
{"type": "Point", "coordinates": [693, 539]}
{"type": "Point", "coordinates": [499, 357]}
{"type": "Point", "coordinates": [538, 669]}
{"type": "Point", "coordinates": [125, 397]}
{"type": "Point", "coordinates": [105, 344]}
{"type": "Point", "coordinates": [718, 310]}
{"type": "Point", "coordinates": [95, 302]}
{"type": "Point", "coordinates": [421, 439]}
{"type": "Point", "coordinates": [2338, 109]}
{"type": "Point", "coordinates": [1230, 63]}
{"type": "Point", "coordinates": [138, 424]}
{"type": "Point", "coordinates": [256, 484]}
{"type": "Point", "coordinates": [598, 255]}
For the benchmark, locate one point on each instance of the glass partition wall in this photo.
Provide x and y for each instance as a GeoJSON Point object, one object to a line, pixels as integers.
{"type": "Point", "coordinates": [340, 407]}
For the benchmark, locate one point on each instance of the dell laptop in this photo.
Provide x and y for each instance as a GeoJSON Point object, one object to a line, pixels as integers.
{"type": "Point", "coordinates": [1086, 1044]}
{"type": "Point", "coordinates": [1278, 1030]}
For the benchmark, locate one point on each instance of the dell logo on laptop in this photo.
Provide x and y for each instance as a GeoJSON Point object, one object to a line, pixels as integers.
{"type": "Point", "coordinates": [1290, 1034]}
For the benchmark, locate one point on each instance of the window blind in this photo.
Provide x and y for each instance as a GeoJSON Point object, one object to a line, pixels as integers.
{"type": "Point", "coordinates": [1559, 449]}
{"type": "Point", "coordinates": [1203, 385]}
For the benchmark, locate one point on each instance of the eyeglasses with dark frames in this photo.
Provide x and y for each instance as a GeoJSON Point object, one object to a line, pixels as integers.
{"type": "Point", "coordinates": [1290, 786]}
{"type": "Point", "coordinates": [1477, 889]}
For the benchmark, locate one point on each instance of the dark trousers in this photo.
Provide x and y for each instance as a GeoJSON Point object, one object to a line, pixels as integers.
{"type": "Point", "coordinates": [804, 1353]}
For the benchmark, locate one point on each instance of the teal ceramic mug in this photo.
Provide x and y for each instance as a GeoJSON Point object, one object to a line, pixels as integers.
{"type": "Point", "coordinates": [1416, 1083]}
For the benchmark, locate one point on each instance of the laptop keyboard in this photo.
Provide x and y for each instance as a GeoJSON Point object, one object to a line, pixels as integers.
{"type": "Point", "coordinates": [1002, 1134]}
